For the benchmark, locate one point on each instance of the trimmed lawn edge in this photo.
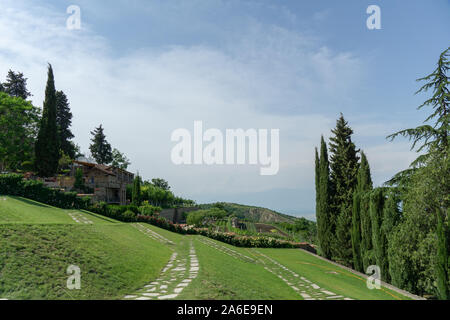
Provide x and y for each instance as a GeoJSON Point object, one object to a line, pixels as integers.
{"type": "Point", "coordinates": [365, 276]}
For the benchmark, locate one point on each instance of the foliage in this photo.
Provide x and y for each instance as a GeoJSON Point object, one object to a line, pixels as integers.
{"type": "Point", "coordinates": [434, 137]}
{"type": "Point", "coordinates": [119, 160]}
{"type": "Point", "coordinates": [324, 214]}
{"type": "Point", "coordinates": [379, 238]}
{"type": "Point", "coordinates": [161, 183]}
{"type": "Point", "coordinates": [203, 217]}
{"type": "Point", "coordinates": [14, 185]}
{"type": "Point", "coordinates": [100, 147]}
{"type": "Point", "coordinates": [149, 210]}
{"type": "Point", "coordinates": [425, 194]}
{"type": "Point", "coordinates": [64, 121]}
{"type": "Point", "coordinates": [79, 183]}
{"type": "Point", "coordinates": [47, 143]}
{"type": "Point", "coordinates": [343, 175]}
{"type": "Point", "coordinates": [18, 128]}
{"type": "Point", "coordinates": [16, 85]}
{"type": "Point", "coordinates": [364, 184]}
{"type": "Point", "coordinates": [136, 197]}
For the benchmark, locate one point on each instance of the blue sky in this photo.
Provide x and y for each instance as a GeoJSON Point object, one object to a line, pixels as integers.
{"type": "Point", "coordinates": [146, 68]}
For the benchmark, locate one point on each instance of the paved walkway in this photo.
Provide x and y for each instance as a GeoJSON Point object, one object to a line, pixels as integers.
{"type": "Point", "coordinates": [182, 268]}
{"type": "Point", "coordinates": [79, 218]}
{"type": "Point", "coordinates": [150, 233]}
{"type": "Point", "coordinates": [304, 287]}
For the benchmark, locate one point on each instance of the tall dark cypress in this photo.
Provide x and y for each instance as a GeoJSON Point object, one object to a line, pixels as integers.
{"type": "Point", "coordinates": [47, 143]}
{"type": "Point", "coordinates": [344, 166]}
{"type": "Point", "coordinates": [64, 121]}
{"type": "Point", "coordinates": [136, 195]}
{"type": "Point", "coordinates": [379, 239]}
{"type": "Point", "coordinates": [324, 214]}
{"type": "Point", "coordinates": [360, 213]}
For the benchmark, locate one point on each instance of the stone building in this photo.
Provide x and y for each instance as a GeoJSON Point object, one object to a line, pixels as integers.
{"type": "Point", "coordinates": [108, 183]}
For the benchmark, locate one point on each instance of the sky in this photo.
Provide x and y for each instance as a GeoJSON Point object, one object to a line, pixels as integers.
{"type": "Point", "coordinates": [144, 68]}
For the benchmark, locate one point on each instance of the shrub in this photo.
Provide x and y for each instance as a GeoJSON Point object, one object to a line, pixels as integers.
{"type": "Point", "coordinates": [149, 210]}
{"type": "Point", "coordinates": [14, 185]}
{"type": "Point", "coordinates": [129, 216]}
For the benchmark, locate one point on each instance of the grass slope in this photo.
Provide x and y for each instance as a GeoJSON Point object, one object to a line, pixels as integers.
{"type": "Point", "coordinates": [224, 277]}
{"type": "Point", "coordinates": [38, 243]}
{"type": "Point", "coordinates": [114, 257]}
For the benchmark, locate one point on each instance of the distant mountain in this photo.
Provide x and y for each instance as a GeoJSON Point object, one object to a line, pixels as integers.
{"type": "Point", "coordinates": [251, 213]}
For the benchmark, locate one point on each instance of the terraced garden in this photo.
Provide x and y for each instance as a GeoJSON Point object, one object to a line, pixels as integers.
{"type": "Point", "coordinates": [131, 261]}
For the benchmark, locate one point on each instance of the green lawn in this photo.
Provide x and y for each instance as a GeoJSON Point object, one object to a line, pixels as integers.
{"type": "Point", "coordinates": [328, 275]}
{"type": "Point", "coordinates": [21, 210]}
{"type": "Point", "coordinates": [114, 257]}
{"type": "Point", "coordinates": [38, 243]}
{"type": "Point", "coordinates": [225, 277]}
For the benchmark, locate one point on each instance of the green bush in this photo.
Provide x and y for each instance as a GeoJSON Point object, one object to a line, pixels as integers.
{"type": "Point", "coordinates": [14, 185]}
{"type": "Point", "coordinates": [149, 210]}
{"type": "Point", "coordinates": [129, 216]}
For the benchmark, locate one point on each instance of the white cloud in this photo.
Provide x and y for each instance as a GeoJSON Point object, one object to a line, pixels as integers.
{"type": "Point", "coordinates": [270, 78]}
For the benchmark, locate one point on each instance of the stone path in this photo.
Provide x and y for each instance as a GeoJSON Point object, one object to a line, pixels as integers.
{"type": "Point", "coordinates": [182, 268]}
{"type": "Point", "coordinates": [226, 250]}
{"type": "Point", "coordinates": [79, 218]}
{"type": "Point", "coordinates": [304, 287]}
{"type": "Point", "coordinates": [152, 234]}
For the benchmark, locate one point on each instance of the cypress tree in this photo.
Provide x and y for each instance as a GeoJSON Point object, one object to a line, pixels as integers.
{"type": "Point", "coordinates": [136, 195]}
{"type": "Point", "coordinates": [64, 121]}
{"type": "Point", "coordinates": [324, 214]}
{"type": "Point", "coordinates": [364, 184]}
{"type": "Point", "coordinates": [379, 239]}
{"type": "Point", "coordinates": [344, 167]}
{"type": "Point", "coordinates": [47, 143]}
{"type": "Point", "coordinates": [443, 261]}
{"type": "Point", "coordinates": [100, 148]}
{"type": "Point", "coordinates": [356, 232]}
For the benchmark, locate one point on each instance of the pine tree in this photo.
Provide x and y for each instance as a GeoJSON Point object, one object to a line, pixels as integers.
{"type": "Point", "coordinates": [16, 85]}
{"type": "Point", "coordinates": [136, 195]}
{"type": "Point", "coordinates": [344, 167]}
{"type": "Point", "coordinates": [435, 144]}
{"type": "Point", "coordinates": [364, 184]}
{"type": "Point", "coordinates": [323, 212]}
{"type": "Point", "coordinates": [64, 121]}
{"type": "Point", "coordinates": [47, 143]}
{"type": "Point", "coordinates": [100, 148]}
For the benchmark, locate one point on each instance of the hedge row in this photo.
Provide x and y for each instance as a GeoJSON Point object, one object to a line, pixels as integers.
{"type": "Point", "coordinates": [15, 185]}
{"type": "Point", "coordinates": [249, 241]}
